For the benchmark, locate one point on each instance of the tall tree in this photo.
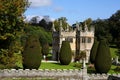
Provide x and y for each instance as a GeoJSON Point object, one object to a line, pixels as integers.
{"type": "Point", "coordinates": [102, 29]}
{"type": "Point", "coordinates": [62, 20]}
{"type": "Point", "coordinates": [65, 54]}
{"type": "Point", "coordinates": [11, 22]}
{"type": "Point", "coordinates": [93, 51]}
{"type": "Point", "coordinates": [103, 57]}
{"type": "Point", "coordinates": [45, 49]}
{"type": "Point", "coordinates": [43, 24]}
{"type": "Point", "coordinates": [34, 20]}
{"type": "Point", "coordinates": [114, 23]}
{"type": "Point", "coordinates": [32, 53]}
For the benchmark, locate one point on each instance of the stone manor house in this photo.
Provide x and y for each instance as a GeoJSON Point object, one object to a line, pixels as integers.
{"type": "Point", "coordinates": [80, 40]}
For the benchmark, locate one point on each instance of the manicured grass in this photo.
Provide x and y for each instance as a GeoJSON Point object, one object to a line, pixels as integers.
{"type": "Point", "coordinates": [111, 71]}
{"type": "Point", "coordinates": [113, 52]}
{"type": "Point", "coordinates": [52, 65]}
{"type": "Point", "coordinates": [49, 65]}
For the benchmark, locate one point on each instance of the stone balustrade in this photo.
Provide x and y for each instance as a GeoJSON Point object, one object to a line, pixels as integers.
{"type": "Point", "coordinates": [59, 74]}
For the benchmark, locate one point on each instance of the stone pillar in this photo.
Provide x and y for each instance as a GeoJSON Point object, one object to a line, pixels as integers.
{"type": "Point", "coordinates": [84, 64]}
{"type": "Point", "coordinates": [84, 71]}
{"type": "Point", "coordinates": [116, 60]}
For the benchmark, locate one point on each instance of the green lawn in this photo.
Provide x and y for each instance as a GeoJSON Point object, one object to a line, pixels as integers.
{"type": "Point", "coordinates": [113, 52]}
{"type": "Point", "coordinates": [111, 71]}
{"type": "Point", "coordinates": [49, 65]}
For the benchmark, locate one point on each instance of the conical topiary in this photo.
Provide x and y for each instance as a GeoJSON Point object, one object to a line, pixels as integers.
{"type": "Point", "coordinates": [65, 54]}
{"type": "Point", "coordinates": [32, 53]}
{"type": "Point", "coordinates": [93, 51]}
{"type": "Point", "coordinates": [103, 58]}
{"type": "Point", "coordinates": [45, 49]}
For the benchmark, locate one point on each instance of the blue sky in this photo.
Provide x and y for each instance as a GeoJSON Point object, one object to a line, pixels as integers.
{"type": "Point", "coordinates": [73, 10]}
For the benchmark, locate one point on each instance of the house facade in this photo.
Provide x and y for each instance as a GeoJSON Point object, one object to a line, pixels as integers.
{"type": "Point", "coordinates": [80, 40]}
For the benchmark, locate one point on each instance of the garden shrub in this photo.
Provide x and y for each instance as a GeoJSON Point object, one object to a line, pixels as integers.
{"type": "Point", "coordinates": [65, 54]}
{"type": "Point", "coordinates": [103, 58]}
{"type": "Point", "coordinates": [45, 49]}
{"type": "Point", "coordinates": [117, 69]}
{"type": "Point", "coordinates": [32, 53]}
{"type": "Point", "coordinates": [93, 51]}
{"type": "Point", "coordinates": [78, 65]}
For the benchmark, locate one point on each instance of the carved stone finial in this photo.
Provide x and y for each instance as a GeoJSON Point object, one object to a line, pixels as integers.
{"type": "Point", "coordinates": [60, 23]}
{"type": "Point", "coordinates": [53, 27]}
{"type": "Point", "coordinates": [86, 28]}
{"type": "Point", "coordinates": [67, 28]}
{"type": "Point", "coordinates": [61, 28]}
{"type": "Point", "coordinates": [77, 26]}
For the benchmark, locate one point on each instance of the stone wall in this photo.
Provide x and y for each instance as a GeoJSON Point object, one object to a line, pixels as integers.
{"type": "Point", "coordinates": [59, 74]}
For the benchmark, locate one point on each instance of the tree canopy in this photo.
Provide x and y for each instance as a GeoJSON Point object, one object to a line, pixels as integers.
{"type": "Point", "coordinates": [11, 22]}
{"type": "Point", "coordinates": [62, 20]}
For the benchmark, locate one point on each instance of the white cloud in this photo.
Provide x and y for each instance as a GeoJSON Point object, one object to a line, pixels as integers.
{"type": "Point", "coordinates": [52, 19]}
{"type": "Point", "coordinates": [39, 3]}
{"type": "Point", "coordinates": [58, 9]}
{"type": "Point", "coordinates": [29, 17]}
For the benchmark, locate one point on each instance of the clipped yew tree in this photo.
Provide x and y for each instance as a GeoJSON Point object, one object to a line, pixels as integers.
{"type": "Point", "coordinates": [65, 54]}
{"type": "Point", "coordinates": [32, 53]}
{"type": "Point", "coordinates": [45, 49]}
{"type": "Point", "coordinates": [93, 51]}
{"type": "Point", "coordinates": [103, 57]}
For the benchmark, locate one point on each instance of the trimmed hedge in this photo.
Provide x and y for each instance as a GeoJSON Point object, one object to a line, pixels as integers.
{"type": "Point", "coordinates": [93, 51]}
{"type": "Point", "coordinates": [32, 53]}
{"type": "Point", "coordinates": [103, 58]}
{"type": "Point", "coordinates": [65, 54]}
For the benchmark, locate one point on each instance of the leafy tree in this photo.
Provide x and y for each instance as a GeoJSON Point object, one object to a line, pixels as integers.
{"type": "Point", "coordinates": [32, 53]}
{"type": "Point", "coordinates": [57, 24]}
{"type": "Point", "coordinates": [65, 54]}
{"type": "Point", "coordinates": [102, 29]}
{"type": "Point", "coordinates": [34, 20]}
{"type": "Point", "coordinates": [63, 20]}
{"type": "Point", "coordinates": [46, 25]}
{"type": "Point", "coordinates": [93, 51]}
{"type": "Point", "coordinates": [88, 21]}
{"type": "Point", "coordinates": [11, 22]}
{"type": "Point", "coordinates": [114, 23]}
{"type": "Point", "coordinates": [45, 49]}
{"type": "Point", "coordinates": [83, 55]}
{"type": "Point", "coordinates": [44, 36]}
{"type": "Point", "coordinates": [43, 24]}
{"type": "Point", "coordinates": [103, 58]}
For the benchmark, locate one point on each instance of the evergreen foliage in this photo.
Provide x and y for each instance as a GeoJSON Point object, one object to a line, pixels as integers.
{"type": "Point", "coordinates": [32, 53]}
{"type": "Point", "coordinates": [11, 24]}
{"type": "Point", "coordinates": [82, 55]}
{"type": "Point", "coordinates": [93, 51]}
{"type": "Point", "coordinates": [65, 54]}
{"type": "Point", "coordinates": [103, 58]}
{"type": "Point", "coordinates": [45, 49]}
{"type": "Point", "coordinates": [44, 36]}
